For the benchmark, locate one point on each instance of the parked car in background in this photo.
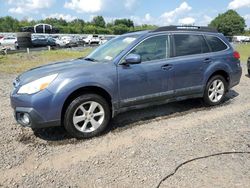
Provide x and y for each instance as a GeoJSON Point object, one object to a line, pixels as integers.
{"type": "Point", "coordinates": [105, 39]}
{"type": "Point", "coordinates": [240, 38]}
{"type": "Point", "coordinates": [246, 39]}
{"type": "Point", "coordinates": [79, 40]}
{"type": "Point", "coordinates": [132, 71]}
{"type": "Point", "coordinates": [92, 39]}
{"type": "Point", "coordinates": [66, 41]}
{"type": "Point", "coordinates": [9, 42]}
{"type": "Point", "coordinates": [43, 41]}
{"type": "Point", "coordinates": [248, 66]}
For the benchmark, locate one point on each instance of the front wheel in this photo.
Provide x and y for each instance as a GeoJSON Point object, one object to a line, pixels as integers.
{"type": "Point", "coordinates": [87, 116]}
{"type": "Point", "coordinates": [215, 90]}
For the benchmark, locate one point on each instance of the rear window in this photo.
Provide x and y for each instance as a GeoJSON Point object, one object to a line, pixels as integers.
{"type": "Point", "coordinates": [215, 43]}
{"type": "Point", "coordinates": [186, 44]}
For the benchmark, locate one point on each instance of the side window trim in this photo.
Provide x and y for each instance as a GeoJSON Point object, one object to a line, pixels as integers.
{"type": "Point", "coordinates": [210, 49]}
{"type": "Point", "coordinates": [205, 43]}
{"type": "Point", "coordinates": [220, 40]}
{"type": "Point", "coordinates": [204, 36]}
{"type": "Point", "coordinates": [168, 47]}
{"type": "Point", "coordinates": [174, 47]}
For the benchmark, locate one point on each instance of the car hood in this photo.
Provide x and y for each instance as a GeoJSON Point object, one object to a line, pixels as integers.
{"type": "Point", "coordinates": [55, 68]}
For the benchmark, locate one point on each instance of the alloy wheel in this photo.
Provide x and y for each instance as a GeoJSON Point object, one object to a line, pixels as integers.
{"type": "Point", "coordinates": [216, 91]}
{"type": "Point", "coordinates": [88, 116]}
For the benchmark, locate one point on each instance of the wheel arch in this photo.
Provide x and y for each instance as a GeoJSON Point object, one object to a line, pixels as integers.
{"type": "Point", "coordinates": [86, 90]}
{"type": "Point", "coordinates": [220, 72]}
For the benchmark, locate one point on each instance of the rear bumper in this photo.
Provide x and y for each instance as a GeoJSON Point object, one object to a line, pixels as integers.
{"type": "Point", "coordinates": [235, 77]}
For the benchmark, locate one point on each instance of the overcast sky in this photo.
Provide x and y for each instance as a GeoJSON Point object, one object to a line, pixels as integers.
{"type": "Point", "coordinates": [157, 12]}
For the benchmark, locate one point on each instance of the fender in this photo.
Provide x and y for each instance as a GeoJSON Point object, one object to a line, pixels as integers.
{"type": "Point", "coordinates": [214, 67]}
{"type": "Point", "coordinates": [63, 88]}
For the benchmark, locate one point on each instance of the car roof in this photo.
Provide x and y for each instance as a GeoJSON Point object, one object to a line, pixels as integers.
{"type": "Point", "coordinates": [177, 29]}
{"type": "Point", "coordinates": [186, 28]}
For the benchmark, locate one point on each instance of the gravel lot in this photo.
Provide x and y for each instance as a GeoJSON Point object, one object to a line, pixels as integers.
{"type": "Point", "coordinates": [141, 148]}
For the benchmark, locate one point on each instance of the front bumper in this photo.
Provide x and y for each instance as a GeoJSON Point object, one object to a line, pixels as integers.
{"type": "Point", "coordinates": [35, 120]}
{"type": "Point", "coordinates": [37, 109]}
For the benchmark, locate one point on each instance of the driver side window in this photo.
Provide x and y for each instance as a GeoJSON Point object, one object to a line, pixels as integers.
{"type": "Point", "coordinates": [153, 48]}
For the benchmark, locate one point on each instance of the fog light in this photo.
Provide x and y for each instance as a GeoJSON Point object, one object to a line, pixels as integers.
{"type": "Point", "coordinates": [25, 118]}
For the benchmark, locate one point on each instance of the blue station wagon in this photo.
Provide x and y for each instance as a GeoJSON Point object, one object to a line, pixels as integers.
{"type": "Point", "coordinates": [131, 71]}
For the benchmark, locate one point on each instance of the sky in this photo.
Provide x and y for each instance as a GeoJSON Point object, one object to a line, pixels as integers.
{"type": "Point", "coordinates": [156, 12]}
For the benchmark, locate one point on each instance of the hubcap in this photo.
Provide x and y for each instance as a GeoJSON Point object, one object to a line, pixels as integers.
{"type": "Point", "coordinates": [88, 117]}
{"type": "Point", "coordinates": [216, 91]}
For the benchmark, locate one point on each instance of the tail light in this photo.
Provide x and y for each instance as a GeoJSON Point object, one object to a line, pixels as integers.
{"type": "Point", "coordinates": [236, 55]}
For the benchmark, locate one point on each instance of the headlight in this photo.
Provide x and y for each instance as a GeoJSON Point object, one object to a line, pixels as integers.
{"type": "Point", "coordinates": [37, 85]}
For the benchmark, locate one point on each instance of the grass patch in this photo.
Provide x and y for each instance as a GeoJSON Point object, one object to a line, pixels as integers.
{"type": "Point", "coordinates": [244, 50]}
{"type": "Point", "coordinates": [17, 63]}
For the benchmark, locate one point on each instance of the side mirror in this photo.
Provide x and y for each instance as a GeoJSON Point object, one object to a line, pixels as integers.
{"type": "Point", "coordinates": [132, 59]}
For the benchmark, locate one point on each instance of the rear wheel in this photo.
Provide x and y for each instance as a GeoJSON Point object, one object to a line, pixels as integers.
{"type": "Point", "coordinates": [87, 116]}
{"type": "Point", "coordinates": [215, 90]}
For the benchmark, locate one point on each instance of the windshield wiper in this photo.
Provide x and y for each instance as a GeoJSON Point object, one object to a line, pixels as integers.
{"type": "Point", "coordinates": [90, 59]}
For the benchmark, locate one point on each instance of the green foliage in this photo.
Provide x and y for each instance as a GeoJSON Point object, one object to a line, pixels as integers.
{"type": "Point", "coordinates": [247, 32]}
{"type": "Point", "coordinates": [126, 22]}
{"type": "Point", "coordinates": [77, 26]}
{"type": "Point", "coordinates": [120, 29]}
{"type": "Point", "coordinates": [98, 21]}
{"type": "Point", "coordinates": [145, 27]}
{"type": "Point", "coordinates": [229, 23]}
{"type": "Point", "coordinates": [9, 24]}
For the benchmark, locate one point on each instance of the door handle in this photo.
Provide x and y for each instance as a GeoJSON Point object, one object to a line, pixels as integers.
{"type": "Point", "coordinates": [167, 67]}
{"type": "Point", "coordinates": [207, 60]}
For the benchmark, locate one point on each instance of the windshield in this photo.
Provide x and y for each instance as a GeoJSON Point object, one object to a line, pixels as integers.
{"type": "Point", "coordinates": [112, 48]}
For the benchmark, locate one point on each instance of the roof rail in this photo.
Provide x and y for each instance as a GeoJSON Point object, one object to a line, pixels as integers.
{"type": "Point", "coordinates": [186, 28]}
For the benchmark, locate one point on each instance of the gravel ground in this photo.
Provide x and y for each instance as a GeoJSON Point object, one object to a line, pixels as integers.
{"type": "Point", "coordinates": [140, 149]}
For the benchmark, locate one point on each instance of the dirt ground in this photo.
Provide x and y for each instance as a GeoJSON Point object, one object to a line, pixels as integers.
{"type": "Point", "coordinates": [141, 148]}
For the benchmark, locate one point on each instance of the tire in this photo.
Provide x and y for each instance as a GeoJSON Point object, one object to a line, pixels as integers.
{"type": "Point", "coordinates": [248, 70]}
{"type": "Point", "coordinates": [215, 95]}
{"type": "Point", "coordinates": [79, 118]}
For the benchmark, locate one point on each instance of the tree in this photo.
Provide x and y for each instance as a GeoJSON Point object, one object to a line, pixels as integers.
{"type": "Point", "coordinates": [145, 27]}
{"type": "Point", "coordinates": [247, 32]}
{"type": "Point", "coordinates": [126, 22]}
{"type": "Point", "coordinates": [9, 24]}
{"type": "Point", "coordinates": [97, 26]}
{"type": "Point", "coordinates": [98, 21]}
{"type": "Point", "coordinates": [77, 25]}
{"type": "Point", "coordinates": [229, 23]}
{"type": "Point", "coordinates": [120, 29]}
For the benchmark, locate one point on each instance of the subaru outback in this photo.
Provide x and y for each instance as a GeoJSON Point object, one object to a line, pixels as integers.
{"type": "Point", "coordinates": [131, 71]}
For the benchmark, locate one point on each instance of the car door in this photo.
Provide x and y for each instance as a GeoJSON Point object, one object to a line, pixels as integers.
{"type": "Point", "coordinates": [191, 58]}
{"type": "Point", "coordinates": [149, 80]}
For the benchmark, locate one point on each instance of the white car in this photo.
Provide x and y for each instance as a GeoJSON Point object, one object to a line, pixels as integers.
{"type": "Point", "coordinates": [66, 41]}
{"type": "Point", "coordinates": [105, 39]}
{"type": "Point", "coordinates": [9, 42]}
{"type": "Point", "coordinates": [240, 38]}
{"type": "Point", "coordinates": [92, 39]}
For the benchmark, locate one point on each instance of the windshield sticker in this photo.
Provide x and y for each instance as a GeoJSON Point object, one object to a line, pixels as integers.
{"type": "Point", "coordinates": [128, 40]}
{"type": "Point", "coordinates": [109, 58]}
